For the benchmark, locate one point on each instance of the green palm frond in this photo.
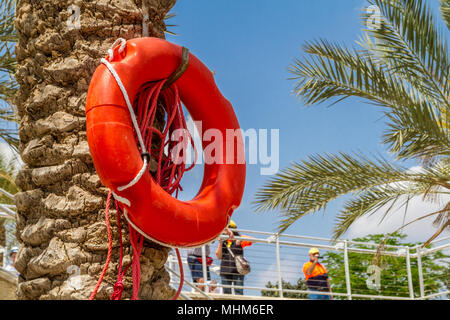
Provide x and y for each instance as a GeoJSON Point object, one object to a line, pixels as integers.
{"type": "Point", "coordinates": [8, 85]}
{"type": "Point", "coordinates": [309, 186]}
{"type": "Point", "coordinates": [8, 38]}
{"type": "Point", "coordinates": [7, 61]}
{"type": "Point", "coordinates": [409, 42]}
{"type": "Point", "coordinates": [402, 65]}
{"type": "Point", "coordinates": [417, 128]}
{"type": "Point", "coordinates": [168, 17]}
{"type": "Point", "coordinates": [333, 71]}
{"type": "Point", "coordinates": [8, 127]}
{"type": "Point", "coordinates": [8, 32]}
{"type": "Point", "coordinates": [445, 11]}
{"type": "Point", "coordinates": [383, 198]}
{"type": "Point", "coordinates": [8, 64]}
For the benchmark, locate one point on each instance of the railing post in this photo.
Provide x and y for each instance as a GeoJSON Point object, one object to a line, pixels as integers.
{"type": "Point", "coordinates": [3, 251]}
{"type": "Point", "coordinates": [171, 265]}
{"type": "Point", "coordinates": [204, 267]}
{"type": "Point", "coordinates": [420, 271]}
{"type": "Point", "coordinates": [408, 266]}
{"type": "Point", "coordinates": [347, 271]}
{"type": "Point", "coordinates": [280, 280]}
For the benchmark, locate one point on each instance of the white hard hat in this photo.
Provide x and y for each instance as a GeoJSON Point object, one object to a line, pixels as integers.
{"type": "Point", "coordinates": [13, 250]}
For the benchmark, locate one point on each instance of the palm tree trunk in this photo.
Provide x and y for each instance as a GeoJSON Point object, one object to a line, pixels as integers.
{"type": "Point", "coordinates": [60, 220]}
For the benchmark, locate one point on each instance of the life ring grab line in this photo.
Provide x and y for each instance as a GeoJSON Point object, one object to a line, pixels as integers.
{"type": "Point", "coordinates": [135, 124]}
{"type": "Point", "coordinates": [122, 200]}
{"type": "Point", "coordinates": [127, 101]}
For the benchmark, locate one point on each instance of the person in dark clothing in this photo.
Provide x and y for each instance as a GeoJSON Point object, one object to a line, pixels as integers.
{"type": "Point", "coordinates": [228, 270]}
{"type": "Point", "coordinates": [194, 259]}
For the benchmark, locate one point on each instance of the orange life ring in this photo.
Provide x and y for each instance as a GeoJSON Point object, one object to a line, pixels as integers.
{"type": "Point", "coordinates": [151, 210]}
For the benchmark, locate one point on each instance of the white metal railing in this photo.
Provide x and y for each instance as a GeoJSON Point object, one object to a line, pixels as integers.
{"type": "Point", "coordinates": [7, 210]}
{"type": "Point", "coordinates": [7, 194]}
{"type": "Point", "coordinates": [277, 258]}
{"type": "Point", "coordinates": [271, 249]}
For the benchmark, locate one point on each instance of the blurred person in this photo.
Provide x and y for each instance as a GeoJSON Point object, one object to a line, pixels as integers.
{"type": "Point", "coordinates": [228, 270]}
{"type": "Point", "coordinates": [316, 276]}
{"type": "Point", "coordinates": [12, 256]}
{"type": "Point", "coordinates": [195, 262]}
{"type": "Point", "coordinates": [212, 285]}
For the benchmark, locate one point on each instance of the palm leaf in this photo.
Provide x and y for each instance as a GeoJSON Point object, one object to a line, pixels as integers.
{"type": "Point", "coordinates": [403, 66]}
{"type": "Point", "coordinates": [167, 17]}
{"type": "Point", "coordinates": [445, 11]}
{"type": "Point", "coordinates": [380, 199]}
{"type": "Point", "coordinates": [410, 43]}
{"type": "Point", "coordinates": [309, 186]}
{"type": "Point", "coordinates": [8, 85]}
{"type": "Point", "coordinates": [417, 127]}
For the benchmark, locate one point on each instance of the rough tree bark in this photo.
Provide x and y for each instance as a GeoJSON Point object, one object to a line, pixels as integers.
{"type": "Point", "coordinates": [60, 220]}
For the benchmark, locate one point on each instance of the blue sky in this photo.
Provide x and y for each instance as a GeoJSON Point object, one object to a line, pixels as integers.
{"type": "Point", "coordinates": [250, 45]}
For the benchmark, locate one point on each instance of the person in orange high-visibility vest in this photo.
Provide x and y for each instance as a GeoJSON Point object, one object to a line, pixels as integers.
{"type": "Point", "coordinates": [316, 276]}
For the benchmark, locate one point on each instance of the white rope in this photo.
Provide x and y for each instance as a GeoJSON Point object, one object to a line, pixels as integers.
{"type": "Point", "coordinates": [130, 109]}
{"type": "Point", "coordinates": [127, 100]}
{"type": "Point", "coordinates": [122, 47]}
{"type": "Point", "coordinates": [137, 178]}
{"type": "Point", "coordinates": [121, 199]}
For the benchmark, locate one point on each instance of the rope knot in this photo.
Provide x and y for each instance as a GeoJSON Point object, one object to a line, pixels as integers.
{"type": "Point", "coordinates": [118, 289]}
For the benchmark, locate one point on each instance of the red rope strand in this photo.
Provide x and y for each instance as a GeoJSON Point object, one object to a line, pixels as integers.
{"type": "Point", "coordinates": [180, 263]}
{"type": "Point", "coordinates": [118, 286]}
{"type": "Point", "coordinates": [108, 259]}
{"type": "Point", "coordinates": [168, 174]}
